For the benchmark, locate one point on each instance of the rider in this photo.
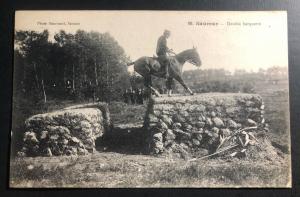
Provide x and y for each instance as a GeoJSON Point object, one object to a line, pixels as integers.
{"type": "Point", "coordinates": [162, 50]}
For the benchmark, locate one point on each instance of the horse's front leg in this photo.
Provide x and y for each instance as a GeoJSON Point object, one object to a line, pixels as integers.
{"type": "Point", "coordinates": [169, 83]}
{"type": "Point", "coordinates": [170, 92]}
{"type": "Point", "coordinates": [179, 79]}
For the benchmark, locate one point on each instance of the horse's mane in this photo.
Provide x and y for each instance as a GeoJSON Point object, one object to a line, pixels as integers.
{"type": "Point", "coordinates": [183, 54]}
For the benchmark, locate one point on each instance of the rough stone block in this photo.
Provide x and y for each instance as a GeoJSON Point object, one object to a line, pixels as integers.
{"type": "Point", "coordinates": [69, 131]}
{"type": "Point", "coordinates": [196, 122]}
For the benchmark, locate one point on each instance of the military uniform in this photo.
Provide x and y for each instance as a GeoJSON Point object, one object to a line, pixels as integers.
{"type": "Point", "coordinates": [161, 51]}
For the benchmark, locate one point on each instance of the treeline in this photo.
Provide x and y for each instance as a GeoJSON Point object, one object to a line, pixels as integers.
{"type": "Point", "coordinates": [271, 74]}
{"type": "Point", "coordinates": [69, 66]}
{"type": "Point", "coordinates": [222, 80]}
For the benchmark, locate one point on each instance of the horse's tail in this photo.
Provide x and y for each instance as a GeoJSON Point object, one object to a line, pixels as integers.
{"type": "Point", "coordinates": [131, 63]}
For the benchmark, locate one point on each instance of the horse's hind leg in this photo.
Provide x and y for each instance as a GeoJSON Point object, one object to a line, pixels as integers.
{"type": "Point", "coordinates": [143, 68]}
{"type": "Point", "coordinates": [179, 79]}
{"type": "Point", "coordinates": [148, 85]}
{"type": "Point", "coordinates": [155, 91]}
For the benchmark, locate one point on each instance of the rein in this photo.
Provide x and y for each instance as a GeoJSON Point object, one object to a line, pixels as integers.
{"type": "Point", "coordinates": [189, 61]}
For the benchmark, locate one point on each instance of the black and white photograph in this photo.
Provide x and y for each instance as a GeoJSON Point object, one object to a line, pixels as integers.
{"type": "Point", "coordinates": [150, 99]}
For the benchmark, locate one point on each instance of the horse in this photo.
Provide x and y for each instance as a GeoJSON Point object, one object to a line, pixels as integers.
{"type": "Point", "coordinates": [147, 66]}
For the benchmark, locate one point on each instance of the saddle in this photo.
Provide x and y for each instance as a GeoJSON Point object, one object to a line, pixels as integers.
{"type": "Point", "coordinates": [170, 58]}
{"type": "Point", "coordinates": [158, 64]}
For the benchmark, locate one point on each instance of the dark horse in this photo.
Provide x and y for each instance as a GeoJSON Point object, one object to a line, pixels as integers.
{"type": "Point", "coordinates": [147, 66]}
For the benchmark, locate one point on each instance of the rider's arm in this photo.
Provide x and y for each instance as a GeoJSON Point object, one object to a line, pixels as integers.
{"type": "Point", "coordinates": [167, 49]}
{"type": "Point", "coordinates": [164, 44]}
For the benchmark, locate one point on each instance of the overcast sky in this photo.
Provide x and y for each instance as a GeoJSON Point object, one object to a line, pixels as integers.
{"type": "Point", "coordinates": [220, 46]}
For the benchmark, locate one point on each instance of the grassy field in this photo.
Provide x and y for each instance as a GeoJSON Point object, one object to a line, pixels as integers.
{"type": "Point", "coordinates": [125, 165]}
{"type": "Point", "coordinates": [276, 99]}
{"type": "Point", "coordinates": [122, 113]}
{"type": "Point", "coordinates": [112, 169]}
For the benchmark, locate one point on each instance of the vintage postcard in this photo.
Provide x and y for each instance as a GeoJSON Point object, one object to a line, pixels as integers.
{"type": "Point", "coordinates": [150, 99]}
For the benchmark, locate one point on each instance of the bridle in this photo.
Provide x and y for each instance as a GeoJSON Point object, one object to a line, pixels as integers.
{"type": "Point", "coordinates": [192, 62]}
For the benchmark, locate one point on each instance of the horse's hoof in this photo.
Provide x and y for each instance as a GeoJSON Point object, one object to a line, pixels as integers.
{"type": "Point", "coordinates": [192, 93]}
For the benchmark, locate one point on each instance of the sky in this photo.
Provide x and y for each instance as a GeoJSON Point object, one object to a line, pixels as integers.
{"type": "Point", "coordinates": [231, 44]}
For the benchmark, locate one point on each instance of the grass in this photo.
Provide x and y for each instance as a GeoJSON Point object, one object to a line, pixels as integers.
{"type": "Point", "coordinates": [276, 99]}
{"type": "Point", "coordinates": [122, 113]}
{"type": "Point", "coordinates": [117, 170]}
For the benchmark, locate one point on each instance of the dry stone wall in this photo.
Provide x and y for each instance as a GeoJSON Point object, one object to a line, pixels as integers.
{"type": "Point", "coordinates": [69, 131]}
{"type": "Point", "coordinates": [193, 124]}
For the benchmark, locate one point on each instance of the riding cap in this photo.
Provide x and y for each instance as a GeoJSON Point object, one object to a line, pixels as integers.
{"type": "Point", "coordinates": [167, 32]}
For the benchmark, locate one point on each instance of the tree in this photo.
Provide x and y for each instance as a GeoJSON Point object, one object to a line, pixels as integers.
{"type": "Point", "coordinates": [93, 61]}
{"type": "Point", "coordinates": [34, 47]}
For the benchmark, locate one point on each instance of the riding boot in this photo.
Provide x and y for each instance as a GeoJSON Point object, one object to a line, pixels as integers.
{"type": "Point", "coordinates": [167, 71]}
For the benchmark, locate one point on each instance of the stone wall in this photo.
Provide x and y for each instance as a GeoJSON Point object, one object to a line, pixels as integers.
{"type": "Point", "coordinates": [193, 124]}
{"type": "Point", "coordinates": [69, 131]}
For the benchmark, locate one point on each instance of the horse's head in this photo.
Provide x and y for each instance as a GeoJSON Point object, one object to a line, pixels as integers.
{"type": "Point", "coordinates": [194, 57]}
{"type": "Point", "coordinates": [189, 55]}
